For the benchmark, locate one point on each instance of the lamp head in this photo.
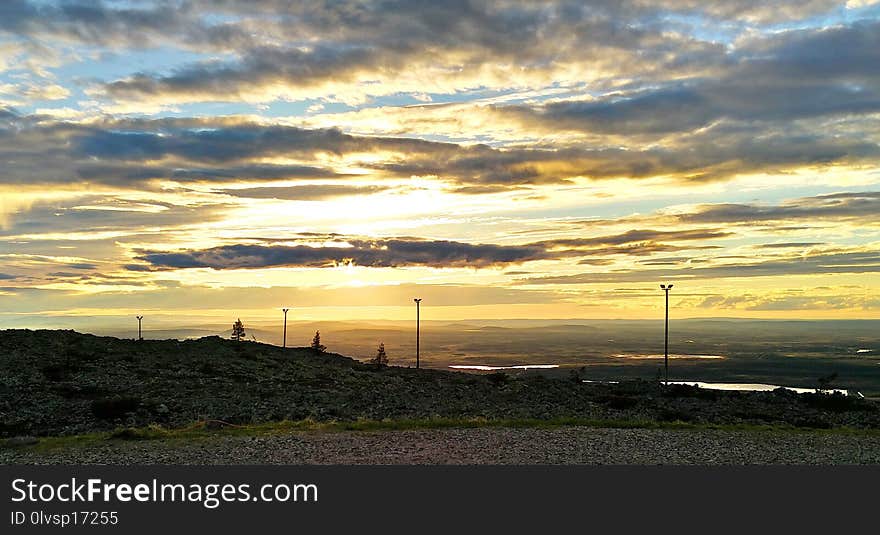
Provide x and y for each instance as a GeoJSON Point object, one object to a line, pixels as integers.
{"type": "Point", "coordinates": [418, 300]}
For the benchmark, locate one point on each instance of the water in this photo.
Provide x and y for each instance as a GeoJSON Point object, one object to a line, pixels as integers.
{"type": "Point", "coordinates": [757, 387]}
{"type": "Point", "coordinates": [649, 356]}
{"type": "Point", "coordinates": [494, 368]}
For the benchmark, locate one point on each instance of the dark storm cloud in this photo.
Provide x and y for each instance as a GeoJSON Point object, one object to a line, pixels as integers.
{"type": "Point", "coordinates": [370, 253]}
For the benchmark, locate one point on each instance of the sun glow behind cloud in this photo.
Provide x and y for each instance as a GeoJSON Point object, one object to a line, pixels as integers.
{"type": "Point", "coordinates": [499, 159]}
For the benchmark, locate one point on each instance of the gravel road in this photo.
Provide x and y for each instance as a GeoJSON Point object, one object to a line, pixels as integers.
{"type": "Point", "coordinates": [564, 445]}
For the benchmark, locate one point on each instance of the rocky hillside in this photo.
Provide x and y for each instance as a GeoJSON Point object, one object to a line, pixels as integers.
{"type": "Point", "coordinates": [63, 382]}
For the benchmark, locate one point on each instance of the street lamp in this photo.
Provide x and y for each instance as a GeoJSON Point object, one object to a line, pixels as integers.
{"type": "Point", "coordinates": [666, 288]}
{"type": "Point", "coordinates": [417, 300]}
{"type": "Point", "coordinates": [284, 338]}
{"type": "Point", "coordinates": [139, 318]}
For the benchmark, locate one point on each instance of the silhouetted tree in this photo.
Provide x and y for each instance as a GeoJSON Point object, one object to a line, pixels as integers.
{"type": "Point", "coordinates": [317, 346]}
{"type": "Point", "coordinates": [826, 382]}
{"type": "Point", "coordinates": [381, 358]}
{"type": "Point", "coordinates": [238, 330]}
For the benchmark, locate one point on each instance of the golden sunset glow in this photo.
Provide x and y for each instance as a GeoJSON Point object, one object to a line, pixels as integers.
{"type": "Point", "coordinates": [498, 159]}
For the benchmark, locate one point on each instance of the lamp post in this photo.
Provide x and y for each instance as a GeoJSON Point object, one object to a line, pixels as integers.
{"type": "Point", "coordinates": [139, 318]}
{"type": "Point", "coordinates": [418, 333]}
{"type": "Point", "coordinates": [666, 288]}
{"type": "Point", "coordinates": [284, 337]}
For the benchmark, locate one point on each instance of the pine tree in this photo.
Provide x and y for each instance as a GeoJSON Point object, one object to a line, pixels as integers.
{"type": "Point", "coordinates": [381, 358]}
{"type": "Point", "coordinates": [238, 331]}
{"type": "Point", "coordinates": [317, 346]}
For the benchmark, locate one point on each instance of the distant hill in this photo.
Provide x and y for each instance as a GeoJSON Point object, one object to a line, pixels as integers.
{"type": "Point", "coordinates": [63, 382]}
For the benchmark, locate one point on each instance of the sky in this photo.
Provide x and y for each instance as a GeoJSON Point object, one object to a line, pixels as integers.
{"type": "Point", "coordinates": [195, 160]}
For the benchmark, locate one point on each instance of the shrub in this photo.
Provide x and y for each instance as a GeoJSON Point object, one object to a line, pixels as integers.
{"type": "Point", "coordinates": [669, 414]}
{"type": "Point", "coordinates": [55, 372]}
{"type": "Point", "coordinates": [826, 382]}
{"type": "Point", "coordinates": [381, 358]}
{"type": "Point", "coordinates": [813, 422]}
{"type": "Point", "coordinates": [112, 408]}
{"type": "Point", "coordinates": [618, 402]}
{"type": "Point", "coordinates": [497, 378]}
{"type": "Point", "coordinates": [689, 391]}
{"type": "Point", "coordinates": [133, 433]}
{"type": "Point", "coordinates": [835, 402]}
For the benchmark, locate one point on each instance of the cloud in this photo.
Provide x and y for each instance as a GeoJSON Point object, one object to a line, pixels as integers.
{"type": "Point", "coordinates": [864, 206]}
{"type": "Point", "coordinates": [350, 51]}
{"type": "Point", "coordinates": [764, 83]}
{"type": "Point", "coordinates": [91, 217]}
{"type": "Point", "coordinates": [399, 252]}
{"type": "Point", "coordinates": [788, 245]}
{"type": "Point", "coordinates": [133, 152]}
{"type": "Point", "coordinates": [791, 302]}
{"type": "Point", "coordinates": [792, 215]}
{"type": "Point", "coordinates": [313, 192]}
{"type": "Point", "coordinates": [815, 264]}
{"type": "Point", "coordinates": [106, 24]}
{"type": "Point", "coordinates": [373, 253]}
{"type": "Point", "coordinates": [636, 236]}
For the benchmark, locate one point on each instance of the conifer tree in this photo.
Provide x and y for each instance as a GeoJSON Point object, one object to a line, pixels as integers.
{"type": "Point", "coordinates": [317, 346]}
{"type": "Point", "coordinates": [238, 331]}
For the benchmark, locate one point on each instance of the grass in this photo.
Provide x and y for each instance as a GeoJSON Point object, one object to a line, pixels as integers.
{"type": "Point", "coordinates": [212, 429]}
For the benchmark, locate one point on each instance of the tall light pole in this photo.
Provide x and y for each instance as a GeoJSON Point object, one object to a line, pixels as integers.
{"type": "Point", "coordinates": [139, 318]}
{"type": "Point", "coordinates": [284, 338]}
{"type": "Point", "coordinates": [418, 333]}
{"type": "Point", "coordinates": [666, 288]}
